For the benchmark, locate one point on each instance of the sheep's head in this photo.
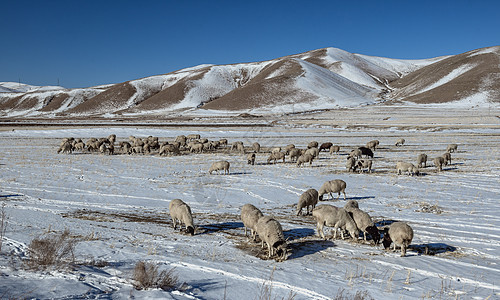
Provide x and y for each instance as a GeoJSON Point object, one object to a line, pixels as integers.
{"type": "Point", "coordinates": [282, 250]}
{"type": "Point", "coordinates": [387, 240]}
{"type": "Point", "coordinates": [373, 231]}
{"type": "Point", "coordinates": [190, 230]}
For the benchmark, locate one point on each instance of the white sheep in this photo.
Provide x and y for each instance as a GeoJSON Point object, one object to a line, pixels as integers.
{"type": "Point", "coordinates": [364, 223]}
{"type": "Point", "coordinates": [350, 164]}
{"type": "Point", "coordinates": [275, 149]}
{"type": "Point", "coordinates": [256, 147]}
{"type": "Point", "coordinates": [304, 159]}
{"type": "Point", "coordinates": [294, 154]}
{"type": "Point", "coordinates": [406, 167]}
{"type": "Point", "coordinates": [219, 165]}
{"type": "Point", "coordinates": [451, 148]}
{"type": "Point", "coordinates": [288, 148]}
{"type": "Point", "coordinates": [271, 233]}
{"type": "Point", "coordinates": [196, 147]}
{"type": "Point", "coordinates": [312, 144]}
{"type": "Point", "coordinates": [251, 159]}
{"type": "Point", "coordinates": [180, 211]}
{"type": "Point", "coordinates": [193, 136]}
{"type": "Point", "coordinates": [447, 158]}
{"type": "Point", "coordinates": [308, 199]}
{"type": "Point", "coordinates": [356, 153]}
{"type": "Point", "coordinates": [65, 147]}
{"type": "Point", "coordinates": [399, 233]}
{"type": "Point", "coordinates": [334, 149]}
{"type": "Point", "coordinates": [339, 218]}
{"type": "Point", "coordinates": [276, 156]}
{"type": "Point", "coordinates": [313, 151]}
{"type": "Point", "coordinates": [364, 164]}
{"type": "Point", "coordinates": [332, 186]}
{"type": "Point", "coordinates": [422, 160]}
{"type": "Point", "coordinates": [351, 204]}
{"type": "Point", "coordinates": [249, 216]}
{"type": "Point", "coordinates": [439, 162]}
{"type": "Point", "coordinates": [372, 144]}
{"type": "Point", "coordinates": [400, 142]}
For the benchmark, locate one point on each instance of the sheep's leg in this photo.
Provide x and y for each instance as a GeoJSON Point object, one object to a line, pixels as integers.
{"type": "Point", "coordinates": [319, 227]}
{"type": "Point", "coordinates": [175, 223]}
{"type": "Point", "coordinates": [245, 231]}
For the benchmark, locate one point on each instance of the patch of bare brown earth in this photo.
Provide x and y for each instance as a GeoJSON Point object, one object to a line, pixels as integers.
{"type": "Point", "coordinates": [112, 99]}
{"type": "Point", "coordinates": [483, 75]}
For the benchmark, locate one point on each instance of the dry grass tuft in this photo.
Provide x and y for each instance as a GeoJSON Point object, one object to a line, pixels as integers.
{"type": "Point", "coordinates": [56, 250]}
{"type": "Point", "coordinates": [146, 276]}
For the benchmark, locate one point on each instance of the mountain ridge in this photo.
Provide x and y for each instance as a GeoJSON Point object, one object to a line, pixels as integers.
{"type": "Point", "coordinates": [326, 78]}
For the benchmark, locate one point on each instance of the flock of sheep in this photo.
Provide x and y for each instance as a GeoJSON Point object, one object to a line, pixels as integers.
{"type": "Point", "coordinates": [348, 219]}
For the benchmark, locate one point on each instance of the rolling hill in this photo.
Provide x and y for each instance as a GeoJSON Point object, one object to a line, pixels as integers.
{"type": "Point", "coordinates": [326, 78]}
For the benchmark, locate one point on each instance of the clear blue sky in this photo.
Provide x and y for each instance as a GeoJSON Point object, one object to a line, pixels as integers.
{"type": "Point", "coordinates": [86, 43]}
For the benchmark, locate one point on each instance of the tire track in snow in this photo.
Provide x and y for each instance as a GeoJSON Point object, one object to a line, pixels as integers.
{"type": "Point", "coordinates": [275, 284]}
{"type": "Point", "coordinates": [439, 275]}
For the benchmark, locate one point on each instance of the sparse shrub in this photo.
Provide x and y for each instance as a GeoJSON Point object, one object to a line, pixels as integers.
{"type": "Point", "coordinates": [146, 276]}
{"type": "Point", "coordinates": [3, 224]}
{"type": "Point", "coordinates": [56, 250]}
{"type": "Point", "coordinates": [360, 295]}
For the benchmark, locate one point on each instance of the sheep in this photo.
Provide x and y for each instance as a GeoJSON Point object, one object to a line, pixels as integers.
{"type": "Point", "coordinates": [439, 162]}
{"type": "Point", "coordinates": [271, 233]}
{"type": "Point", "coordinates": [251, 159]}
{"type": "Point", "coordinates": [304, 159]}
{"type": "Point", "coordinates": [276, 156]}
{"type": "Point", "coordinates": [249, 216]}
{"type": "Point", "coordinates": [400, 142]}
{"type": "Point", "coordinates": [372, 144]}
{"type": "Point", "coordinates": [137, 149]}
{"type": "Point", "coordinates": [332, 186]}
{"type": "Point", "coordinates": [339, 218]}
{"type": "Point", "coordinates": [275, 149]}
{"type": "Point", "coordinates": [80, 146]}
{"type": "Point", "coordinates": [294, 154]}
{"type": "Point", "coordinates": [219, 165]}
{"type": "Point", "coordinates": [182, 139]}
{"type": "Point", "coordinates": [325, 146]}
{"type": "Point", "coordinates": [447, 158]}
{"type": "Point", "coordinates": [334, 149]}
{"type": "Point", "coordinates": [223, 142]}
{"type": "Point", "coordinates": [312, 144]}
{"type": "Point", "coordinates": [451, 148]}
{"type": "Point", "coordinates": [180, 211]}
{"type": "Point", "coordinates": [399, 233]}
{"type": "Point", "coordinates": [308, 198]}
{"type": "Point", "coordinates": [313, 151]}
{"type": "Point", "coordinates": [198, 148]}
{"type": "Point", "coordinates": [350, 164]}
{"type": "Point", "coordinates": [351, 204]}
{"type": "Point", "coordinates": [66, 147]}
{"type": "Point", "coordinates": [112, 138]}
{"type": "Point", "coordinates": [125, 147]}
{"type": "Point", "coordinates": [168, 148]}
{"type": "Point", "coordinates": [256, 147]}
{"type": "Point", "coordinates": [366, 152]}
{"type": "Point", "coordinates": [288, 148]}
{"type": "Point", "coordinates": [364, 223]}
{"type": "Point", "coordinates": [193, 137]}
{"type": "Point", "coordinates": [364, 164]}
{"type": "Point", "coordinates": [238, 146]}
{"type": "Point", "coordinates": [406, 167]}
{"type": "Point", "coordinates": [422, 160]}
{"type": "Point", "coordinates": [356, 153]}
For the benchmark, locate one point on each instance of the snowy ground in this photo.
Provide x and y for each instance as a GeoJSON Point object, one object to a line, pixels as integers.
{"type": "Point", "coordinates": [119, 204]}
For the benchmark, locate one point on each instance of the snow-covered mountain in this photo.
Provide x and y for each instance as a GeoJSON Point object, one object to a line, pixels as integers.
{"type": "Point", "coordinates": [319, 79]}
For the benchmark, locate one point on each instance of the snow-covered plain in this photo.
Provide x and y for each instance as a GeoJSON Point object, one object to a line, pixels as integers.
{"type": "Point", "coordinates": [122, 201]}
